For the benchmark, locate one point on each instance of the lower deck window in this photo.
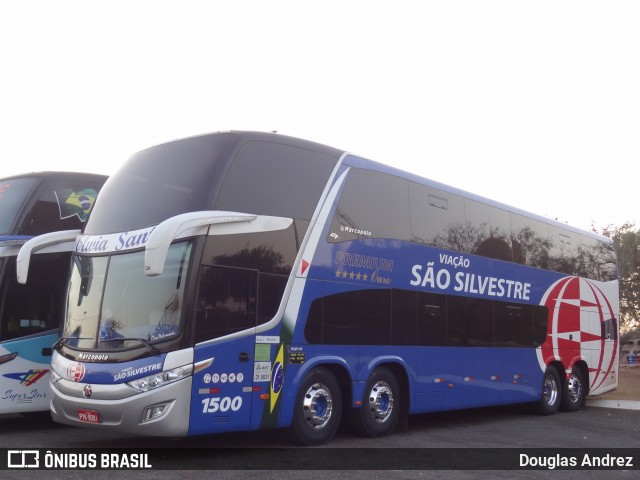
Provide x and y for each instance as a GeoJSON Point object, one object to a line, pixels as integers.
{"type": "Point", "coordinates": [404, 317]}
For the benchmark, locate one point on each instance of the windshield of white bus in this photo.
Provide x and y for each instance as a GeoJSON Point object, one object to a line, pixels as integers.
{"type": "Point", "coordinates": [113, 305]}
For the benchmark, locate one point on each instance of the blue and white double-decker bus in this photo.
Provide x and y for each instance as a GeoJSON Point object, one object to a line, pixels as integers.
{"type": "Point", "coordinates": [243, 281]}
{"type": "Point", "coordinates": [30, 315]}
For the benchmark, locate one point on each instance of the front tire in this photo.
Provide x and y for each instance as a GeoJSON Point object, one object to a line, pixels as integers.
{"type": "Point", "coordinates": [549, 402]}
{"type": "Point", "coordinates": [381, 405]}
{"type": "Point", "coordinates": [318, 408]}
{"type": "Point", "coordinates": [574, 394]}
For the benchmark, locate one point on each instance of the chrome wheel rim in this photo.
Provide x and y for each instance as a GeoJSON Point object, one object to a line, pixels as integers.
{"type": "Point", "coordinates": [381, 402]}
{"type": "Point", "coordinates": [550, 390]}
{"type": "Point", "coordinates": [317, 406]}
{"type": "Point", "coordinates": [574, 388]}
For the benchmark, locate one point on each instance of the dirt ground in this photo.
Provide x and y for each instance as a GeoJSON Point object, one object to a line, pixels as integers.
{"type": "Point", "coordinates": [628, 385]}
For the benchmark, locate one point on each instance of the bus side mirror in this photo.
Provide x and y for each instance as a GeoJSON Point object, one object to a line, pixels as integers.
{"type": "Point", "coordinates": [63, 241]}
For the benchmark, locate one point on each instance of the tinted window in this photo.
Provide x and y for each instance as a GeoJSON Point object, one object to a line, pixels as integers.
{"type": "Point", "coordinates": [226, 302]}
{"type": "Point", "coordinates": [437, 218]}
{"type": "Point", "coordinates": [489, 227]}
{"type": "Point", "coordinates": [564, 253]}
{"type": "Point", "coordinates": [597, 259]}
{"type": "Point", "coordinates": [270, 291]}
{"type": "Point", "coordinates": [313, 328]}
{"type": "Point", "coordinates": [432, 319]}
{"type": "Point", "coordinates": [160, 182]}
{"type": "Point", "coordinates": [530, 240]}
{"type": "Point", "coordinates": [513, 325]}
{"type": "Point", "coordinates": [271, 178]}
{"type": "Point", "coordinates": [279, 177]}
{"type": "Point", "coordinates": [372, 205]}
{"type": "Point", "coordinates": [469, 321]}
{"type": "Point", "coordinates": [13, 193]}
{"type": "Point", "coordinates": [404, 317]}
{"type": "Point", "coordinates": [361, 317]}
{"type": "Point", "coordinates": [540, 322]}
{"type": "Point", "coordinates": [272, 252]}
{"type": "Point", "coordinates": [364, 317]}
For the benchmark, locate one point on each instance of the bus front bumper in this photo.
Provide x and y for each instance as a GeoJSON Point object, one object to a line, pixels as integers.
{"type": "Point", "coordinates": [161, 412]}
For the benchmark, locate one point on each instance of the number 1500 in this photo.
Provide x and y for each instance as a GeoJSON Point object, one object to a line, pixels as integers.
{"type": "Point", "coordinates": [224, 404]}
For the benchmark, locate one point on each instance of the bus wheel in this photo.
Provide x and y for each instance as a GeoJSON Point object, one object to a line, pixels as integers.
{"type": "Point", "coordinates": [381, 405]}
{"type": "Point", "coordinates": [574, 394]}
{"type": "Point", "coordinates": [318, 408]}
{"type": "Point", "coordinates": [550, 397]}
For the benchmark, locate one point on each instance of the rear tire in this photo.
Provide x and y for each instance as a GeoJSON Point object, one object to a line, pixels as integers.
{"type": "Point", "coordinates": [550, 396]}
{"type": "Point", "coordinates": [318, 408]}
{"type": "Point", "coordinates": [381, 405]}
{"type": "Point", "coordinates": [574, 394]}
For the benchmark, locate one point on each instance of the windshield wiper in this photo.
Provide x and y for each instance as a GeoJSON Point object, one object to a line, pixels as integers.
{"type": "Point", "coordinates": [62, 340]}
{"type": "Point", "coordinates": [129, 339]}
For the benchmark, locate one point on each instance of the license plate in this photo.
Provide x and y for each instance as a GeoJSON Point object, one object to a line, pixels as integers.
{"type": "Point", "coordinates": [89, 416]}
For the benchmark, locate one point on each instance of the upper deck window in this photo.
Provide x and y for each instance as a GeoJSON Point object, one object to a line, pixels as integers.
{"type": "Point", "coordinates": [372, 205]}
{"type": "Point", "coordinates": [272, 178]}
{"type": "Point", "coordinates": [13, 193]}
{"type": "Point", "coordinates": [227, 171]}
{"type": "Point", "coordinates": [160, 182]}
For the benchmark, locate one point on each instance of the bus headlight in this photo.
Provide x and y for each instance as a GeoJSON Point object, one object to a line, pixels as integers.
{"type": "Point", "coordinates": [160, 379]}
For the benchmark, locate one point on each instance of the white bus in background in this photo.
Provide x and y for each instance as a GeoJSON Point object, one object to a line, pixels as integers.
{"type": "Point", "coordinates": [30, 315]}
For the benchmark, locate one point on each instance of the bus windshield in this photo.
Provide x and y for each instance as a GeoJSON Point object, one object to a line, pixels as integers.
{"type": "Point", "coordinates": [113, 305]}
{"type": "Point", "coordinates": [12, 195]}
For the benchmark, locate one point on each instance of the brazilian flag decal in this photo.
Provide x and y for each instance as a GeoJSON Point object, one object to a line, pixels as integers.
{"type": "Point", "coordinates": [277, 378]}
{"type": "Point", "coordinates": [271, 410]}
{"type": "Point", "coordinates": [76, 203]}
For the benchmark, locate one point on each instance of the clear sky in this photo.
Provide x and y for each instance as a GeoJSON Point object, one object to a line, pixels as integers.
{"type": "Point", "coordinates": [534, 103]}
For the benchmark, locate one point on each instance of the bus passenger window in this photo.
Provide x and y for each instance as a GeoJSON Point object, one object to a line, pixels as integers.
{"type": "Point", "coordinates": [359, 317]}
{"type": "Point", "coordinates": [404, 317]}
{"type": "Point", "coordinates": [513, 325]}
{"type": "Point", "coordinates": [372, 205]}
{"type": "Point", "coordinates": [530, 240]}
{"type": "Point", "coordinates": [437, 217]}
{"type": "Point", "coordinates": [226, 303]}
{"type": "Point", "coordinates": [432, 322]}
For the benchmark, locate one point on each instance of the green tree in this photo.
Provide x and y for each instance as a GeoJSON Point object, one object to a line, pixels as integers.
{"type": "Point", "coordinates": [627, 243]}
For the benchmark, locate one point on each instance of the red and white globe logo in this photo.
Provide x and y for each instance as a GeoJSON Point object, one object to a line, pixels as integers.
{"type": "Point", "coordinates": [582, 326]}
{"type": "Point", "coordinates": [76, 372]}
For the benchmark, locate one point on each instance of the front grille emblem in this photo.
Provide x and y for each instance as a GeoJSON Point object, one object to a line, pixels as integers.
{"type": "Point", "coordinates": [87, 391]}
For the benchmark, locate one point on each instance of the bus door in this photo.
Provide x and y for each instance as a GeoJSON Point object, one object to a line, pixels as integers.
{"type": "Point", "coordinates": [225, 336]}
{"type": "Point", "coordinates": [600, 348]}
